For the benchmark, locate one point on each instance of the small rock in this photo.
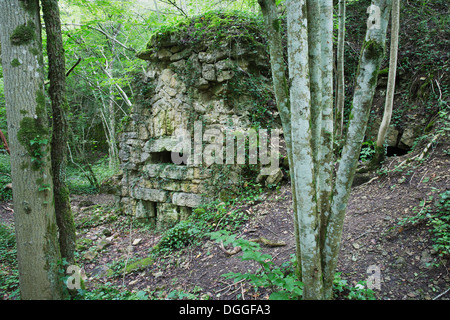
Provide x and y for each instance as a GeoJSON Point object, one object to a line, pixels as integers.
{"type": "Point", "coordinates": [90, 255]}
{"type": "Point", "coordinates": [101, 271]}
{"type": "Point", "coordinates": [102, 243]}
{"type": "Point", "coordinates": [106, 232]}
{"type": "Point", "coordinates": [136, 242]}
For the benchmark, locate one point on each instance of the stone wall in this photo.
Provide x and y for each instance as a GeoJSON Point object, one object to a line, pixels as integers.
{"type": "Point", "coordinates": [184, 85]}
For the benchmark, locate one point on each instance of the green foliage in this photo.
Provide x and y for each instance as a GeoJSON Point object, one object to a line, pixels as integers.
{"type": "Point", "coordinates": [33, 135]}
{"type": "Point", "coordinates": [218, 27]}
{"type": "Point", "coordinates": [342, 290]}
{"type": "Point", "coordinates": [9, 275]}
{"type": "Point", "coordinates": [284, 285]}
{"type": "Point", "coordinates": [203, 220]}
{"type": "Point", "coordinates": [435, 211]}
{"type": "Point", "coordinates": [79, 180]}
{"type": "Point", "coordinates": [5, 177]}
{"type": "Point", "coordinates": [108, 291]}
{"type": "Point", "coordinates": [367, 151]}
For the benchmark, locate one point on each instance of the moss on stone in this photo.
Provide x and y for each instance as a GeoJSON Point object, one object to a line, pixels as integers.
{"type": "Point", "coordinates": [217, 27]}
{"type": "Point", "coordinates": [139, 265]}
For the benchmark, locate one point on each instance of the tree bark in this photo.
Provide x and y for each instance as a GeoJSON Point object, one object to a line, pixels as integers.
{"type": "Point", "coordinates": [372, 54]}
{"type": "Point", "coordinates": [57, 92]}
{"type": "Point", "coordinates": [379, 149]}
{"type": "Point", "coordinates": [340, 86]}
{"type": "Point", "coordinates": [281, 88]}
{"type": "Point", "coordinates": [326, 159]}
{"type": "Point", "coordinates": [302, 151]}
{"type": "Point", "coordinates": [35, 222]}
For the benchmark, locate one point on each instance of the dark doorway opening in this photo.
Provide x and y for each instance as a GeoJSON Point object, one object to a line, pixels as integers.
{"type": "Point", "coordinates": [396, 151]}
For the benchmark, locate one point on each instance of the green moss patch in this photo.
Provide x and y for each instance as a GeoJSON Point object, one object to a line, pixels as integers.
{"type": "Point", "coordinates": [217, 27]}
{"type": "Point", "coordinates": [139, 265]}
{"type": "Point", "coordinates": [23, 34]}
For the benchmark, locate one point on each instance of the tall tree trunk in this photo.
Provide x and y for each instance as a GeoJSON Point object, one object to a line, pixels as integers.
{"type": "Point", "coordinates": [340, 86]}
{"type": "Point", "coordinates": [372, 54]}
{"type": "Point", "coordinates": [281, 88]}
{"type": "Point", "coordinates": [35, 222]}
{"type": "Point", "coordinates": [302, 151]}
{"type": "Point", "coordinates": [326, 159]}
{"type": "Point", "coordinates": [320, 228]}
{"type": "Point", "coordinates": [57, 91]}
{"type": "Point", "coordinates": [379, 149]}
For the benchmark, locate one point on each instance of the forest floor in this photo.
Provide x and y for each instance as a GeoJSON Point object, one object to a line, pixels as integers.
{"type": "Point", "coordinates": [403, 257]}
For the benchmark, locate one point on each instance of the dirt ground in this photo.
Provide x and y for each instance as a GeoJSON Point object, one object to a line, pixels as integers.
{"type": "Point", "coordinates": [373, 244]}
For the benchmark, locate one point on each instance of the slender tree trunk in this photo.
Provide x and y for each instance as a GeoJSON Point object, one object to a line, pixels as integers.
{"type": "Point", "coordinates": [326, 159]}
{"type": "Point", "coordinates": [372, 54]}
{"type": "Point", "coordinates": [379, 149]}
{"type": "Point", "coordinates": [320, 227]}
{"type": "Point", "coordinates": [340, 86]}
{"type": "Point", "coordinates": [57, 91]}
{"type": "Point", "coordinates": [302, 151]}
{"type": "Point", "coordinates": [35, 222]}
{"type": "Point", "coordinates": [281, 88]}
{"type": "Point", "coordinates": [113, 152]}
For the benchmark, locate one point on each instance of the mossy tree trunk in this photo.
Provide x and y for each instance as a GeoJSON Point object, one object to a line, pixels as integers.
{"type": "Point", "coordinates": [320, 202]}
{"type": "Point", "coordinates": [34, 214]}
{"type": "Point", "coordinates": [372, 55]}
{"type": "Point", "coordinates": [281, 86]}
{"type": "Point", "coordinates": [379, 155]}
{"type": "Point", "coordinates": [57, 92]}
{"type": "Point", "coordinates": [340, 83]}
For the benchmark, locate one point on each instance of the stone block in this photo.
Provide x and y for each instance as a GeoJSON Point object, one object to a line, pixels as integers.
{"type": "Point", "coordinates": [145, 210]}
{"type": "Point", "coordinates": [154, 195]}
{"type": "Point", "coordinates": [209, 72]}
{"type": "Point", "coordinates": [160, 144]}
{"type": "Point", "coordinates": [167, 215]}
{"type": "Point", "coordinates": [177, 172]}
{"type": "Point", "coordinates": [184, 199]}
{"type": "Point", "coordinates": [224, 75]}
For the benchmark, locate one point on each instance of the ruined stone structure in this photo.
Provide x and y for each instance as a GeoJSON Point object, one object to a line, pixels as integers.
{"type": "Point", "coordinates": [186, 85]}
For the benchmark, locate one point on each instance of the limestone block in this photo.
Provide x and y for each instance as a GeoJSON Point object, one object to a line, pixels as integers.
{"type": "Point", "coordinates": [164, 54]}
{"type": "Point", "coordinates": [190, 187]}
{"type": "Point", "coordinates": [160, 144]}
{"type": "Point", "coordinates": [152, 170]}
{"type": "Point", "coordinates": [124, 153]}
{"type": "Point", "coordinates": [408, 137]}
{"type": "Point", "coordinates": [224, 75]}
{"type": "Point", "coordinates": [154, 195]}
{"type": "Point", "coordinates": [209, 72]}
{"type": "Point", "coordinates": [143, 133]}
{"type": "Point", "coordinates": [181, 55]}
{"type": "Point", "coordinates": [198, 107]}
{"type": "Point", "coordinates": [170, 185]}
{"type": "Point", "coordinates": [167, 214]}
{"type": "Point", "coordinates": [171, 92]}
{"type": "Point", "coordinates": [187, 199]}
{"type": "Point", "coordinates": [176, 49]}
{"type": "Point", "coordinates": [275, 177]}
{"type": "Point", "coordinates": [202, 173]}
{"type": "Point", "coordinates": [202, 84]}
{"type": "Point", "coordinates": [177, 172]}
{"type": "Point", "coordinates": [226, 64]}
{"type": "Point", "coordinates": [166, 76]}
{"type": "Point", "coordinates": [145, 210]}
